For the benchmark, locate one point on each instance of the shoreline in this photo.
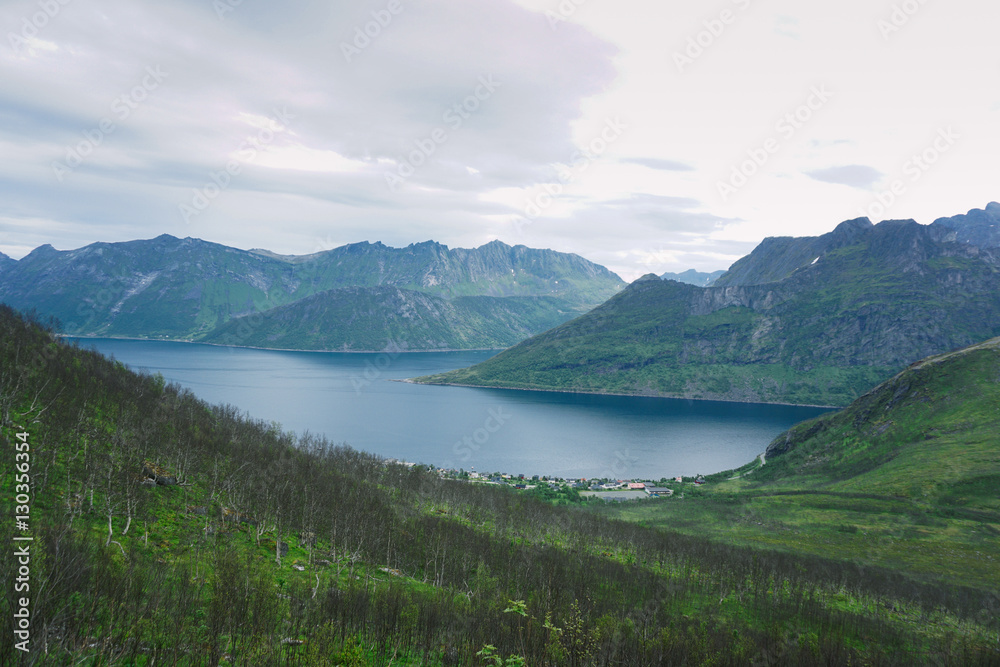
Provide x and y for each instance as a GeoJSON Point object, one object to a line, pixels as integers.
{"type": "Point", "coordinates": [281, 349]}
{"type": "Point", "coordinates": [610, 393]}
{"type": "Point", "coordinates": [454, 384]}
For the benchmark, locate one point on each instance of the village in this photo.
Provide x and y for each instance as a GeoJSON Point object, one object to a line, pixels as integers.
{"type": "Point", "coordinates": [611, 490]}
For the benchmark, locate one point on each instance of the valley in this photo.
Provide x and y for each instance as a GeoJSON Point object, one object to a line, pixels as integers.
{"type": "Point", "coordinates": [254, 546]}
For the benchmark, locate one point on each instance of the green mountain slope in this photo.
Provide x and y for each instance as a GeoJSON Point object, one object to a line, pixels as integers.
{"type": "Point", "coordinates": [930, 433]}
{"type": "Point", "coordinates": [877, 298]}
{"type": "Point", "coordinates": [184, 288]}
{"type": "Point", "coordinates": [168, 531]}
{"type": "Point", "coordinates": [380, 318]}
{"type": "Point", "coordinates": [906, 477]}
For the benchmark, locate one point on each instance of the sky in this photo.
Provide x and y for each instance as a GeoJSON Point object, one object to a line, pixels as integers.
{"type": "Point", "coordinates": [647, 136]}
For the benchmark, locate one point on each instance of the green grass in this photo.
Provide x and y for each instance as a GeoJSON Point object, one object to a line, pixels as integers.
{"type": "Point", "coordinates": [907, 478]}
{"type": "Point", "coordinates": [477, 565]}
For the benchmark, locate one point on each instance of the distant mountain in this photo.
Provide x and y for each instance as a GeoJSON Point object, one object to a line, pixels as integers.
{"type": "Point", "coordinates": [388, 318]}
{"type": "Point", "coordinates": [776, 258]}
{"type": "Point", "coordinates": [692, 277]}
{"type": "Point", "coordinates": [6, 263]}
{"type": "Point", "coordinates": [185, 288]}
{"type": "Point", "coordinates": [979, 227]}
{"type": "Point", "coordinates": [809, 321]}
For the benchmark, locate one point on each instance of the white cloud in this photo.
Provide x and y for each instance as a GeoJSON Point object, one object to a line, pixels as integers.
{"type": "Point", "coordinates": [648, 202]}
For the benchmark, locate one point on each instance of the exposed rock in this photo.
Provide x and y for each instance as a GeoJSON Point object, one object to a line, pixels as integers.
{"type": "Point", "coordinates": [237, 517]}
{"type": "Point", "coordinates": [158, 474]}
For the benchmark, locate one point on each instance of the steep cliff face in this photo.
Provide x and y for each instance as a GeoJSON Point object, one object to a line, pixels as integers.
{"type": "Point", "coordinates": [872, 300]}
{"type": "Point", "coordinates": [185, 288]}
{"type": "Point", "coordinates": [776, 258]}
{"type": "Point", "coordinates": [980, 227]}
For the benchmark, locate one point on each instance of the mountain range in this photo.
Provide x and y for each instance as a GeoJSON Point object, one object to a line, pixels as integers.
{"type": "Point", "coordinates": [187, 289]}
{"type": "Point", "coordinates": [816, 320]}
{"type": "Point", "coordinates": [692, 277]}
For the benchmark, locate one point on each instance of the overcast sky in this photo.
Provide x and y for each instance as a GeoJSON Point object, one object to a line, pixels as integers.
{"type": "Point", "coordinates": [644, 135]}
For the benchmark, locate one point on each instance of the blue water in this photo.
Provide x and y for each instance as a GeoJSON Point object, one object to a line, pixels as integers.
{"type": "Point", "coordinates": [351, 398]}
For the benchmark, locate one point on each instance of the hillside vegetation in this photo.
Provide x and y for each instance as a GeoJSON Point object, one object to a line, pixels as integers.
{"type": "Point", "coordinates": [379, 318]}
{"type": "Point", "coordinates": [907, 477]}
{"type": "Point", "coordinates": [168, 531]}
{"type": "Point", "coordinates": [834, 316]}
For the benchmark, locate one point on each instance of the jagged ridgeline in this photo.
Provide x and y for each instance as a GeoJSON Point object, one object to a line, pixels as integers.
{"type": "Point", "coordinates": [168, 531]}
{"type": "Point", "coordinates": [424, 296]}
{"type": "Point", "coordinates": [800, 320]}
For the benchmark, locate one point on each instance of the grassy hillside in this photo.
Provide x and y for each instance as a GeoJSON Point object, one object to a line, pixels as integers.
{"type": "Point", "coordinates": [877, 298]}
{"type": "Point", "coordinates": [907, 477]}
{"type": "Point", "coordinates": [168, 531]}
{"type": "Point", "coordinates": [378, 318]}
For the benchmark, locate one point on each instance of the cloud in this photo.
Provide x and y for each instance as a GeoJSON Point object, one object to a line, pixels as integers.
{"type": "Point", "coordinates": [471, 97]}
{"type": "Point", "coordinates": [370, 94]}
{"type": "Point", "coordinates": [641, 233]}
{"type": "Point", "coordinates": [657, 163]}
{"type": "Point", "coordinates": [855, 176]}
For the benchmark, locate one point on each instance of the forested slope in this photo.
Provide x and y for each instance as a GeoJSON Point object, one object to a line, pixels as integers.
{"type": "Point", "coordinates": [168, 531]}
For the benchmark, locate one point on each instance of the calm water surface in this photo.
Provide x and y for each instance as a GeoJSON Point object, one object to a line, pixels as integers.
{"type": "Point", "coordinates": [351, 398]}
